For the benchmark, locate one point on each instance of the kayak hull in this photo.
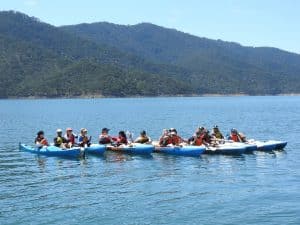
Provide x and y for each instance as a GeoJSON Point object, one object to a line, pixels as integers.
{"type": "Point", "coordinates": [52, 151]}
{"type": "Point", "coordinates": [267, 146]}
{"type": "Point", "coordinates": [249, 147]}
{"type": "Point", "coordinates": [95, 149]}
{"type": "Point", "coordinates": [144, 149]}
{"type": "Point", "coordinates": [226, 149]}
{"type": "Point", "coordinates": [194, 151]}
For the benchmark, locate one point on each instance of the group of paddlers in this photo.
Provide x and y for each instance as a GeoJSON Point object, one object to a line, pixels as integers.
{"type": "Point", "coordinates": [202, 136]}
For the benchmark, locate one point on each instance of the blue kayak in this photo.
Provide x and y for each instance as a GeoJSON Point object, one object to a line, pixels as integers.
{"type": "Point", "coordinates": [95, 149]}
{"type": "Point", "coordinates": [188, 150]}
{"type": "Point", "coordinates": [227, 149]}
{"type": "Point", "coordinates": [270, 145]}
{"type": "Point", "coordinates": [132, 148]}
{"type": "Point", "coordinates": [53, 151]}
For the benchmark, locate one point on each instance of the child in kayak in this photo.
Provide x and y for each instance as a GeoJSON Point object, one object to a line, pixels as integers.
{"type": "Point", "coordinates": [40, 140]}
{"type": "Point", "coordinates": [216, 133]}
{"type": "Point", "coordinates": [143, 138]}
{"type": "Point", "coordinates": [70, 137]}
{"type": "Point", "coordinates": [121, 139]}
{"type": "Point", "coordinates": [83, 139]}
{"type": "Point", "coordinates": [235, 136]}
{"type": "Point", "coordinates": [164, 138]}
{"type": "Point", "coordinates": [59, 140]}
{"type": "Point", "coordinates": [104, 138]}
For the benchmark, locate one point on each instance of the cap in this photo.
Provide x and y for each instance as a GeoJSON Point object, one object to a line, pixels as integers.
{"type": "Point", "coordinates": [233, 130]}
{"type": "Point", "coordinates": [173, 133]}
{"type": "Point", "coordinates": [69, 129]}
{"type": "Point", "coordinates": [83, 130]}
{"type": "Point", "coordinates": [59, 131]}
{"type": "Point", "coordinates": [105, 129]}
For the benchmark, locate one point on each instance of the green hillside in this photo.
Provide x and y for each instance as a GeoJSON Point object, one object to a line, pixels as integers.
{"type": "Point", "coordinates": [38, 59]}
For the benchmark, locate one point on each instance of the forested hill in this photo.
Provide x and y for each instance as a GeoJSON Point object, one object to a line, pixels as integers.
{"type": "Point", "coordinates": [255, 70]}
{"type": "Point", "coordinates": [38, 59]}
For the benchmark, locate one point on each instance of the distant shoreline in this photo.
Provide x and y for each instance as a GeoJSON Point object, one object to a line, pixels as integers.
{"type": "Point", "coordinates": [136, 96]}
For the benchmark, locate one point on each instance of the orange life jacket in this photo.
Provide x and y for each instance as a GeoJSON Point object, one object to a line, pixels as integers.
{"type": "Point", "coordinates": [235, 137]}
{"type": "Point", "coordinates": [44, 142]}
{"type": "Point", "coordinates": [198, 141]}
{"type": "Point", "coordinates": [175, 140]}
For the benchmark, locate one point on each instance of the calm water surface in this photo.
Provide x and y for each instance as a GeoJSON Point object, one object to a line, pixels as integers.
{"type": "Point", "coordinates": [260, 188]}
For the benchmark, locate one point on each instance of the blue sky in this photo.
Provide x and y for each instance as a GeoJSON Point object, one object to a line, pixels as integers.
{"type": "Point", "coordinates": [273, 23]}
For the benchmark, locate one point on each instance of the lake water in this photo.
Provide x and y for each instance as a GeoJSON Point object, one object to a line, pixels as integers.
{"type": "Point", "coordinates": [260, 188]}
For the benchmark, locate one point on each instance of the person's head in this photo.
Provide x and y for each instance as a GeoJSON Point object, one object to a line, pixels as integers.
{"type": "Point", "coordinates": [201, 129]}
{"type": "Point", "coordinates": [40, 134]}
{"type": "Point", "coordinates": [59, 132]}
{"type": "Point", "coordinates": [234, 131]}
{"type": "Point", "coordinates": [143, 133]}
{"type": "Point", "coordinates": [216, 128]}
{"type": "Point", "coordinates": [173, 130]}
{"type": "Point", "coordinates": [69, 130]}
{"type": "Point", "coordinates": [122, 134]}
{"type": "Point", "coordinates": [83, 131]}
{"type": "Point", "coordinates": [165, 132]}
{"type": "Point", "coordinates": [198, 133]}
{"type": "Point", "coordinates": [105, 130]}
{"type": "Point", "coordinates": [173, 133]}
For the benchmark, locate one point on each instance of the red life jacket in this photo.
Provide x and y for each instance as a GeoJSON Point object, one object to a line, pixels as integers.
{"type": "Point", "coordinates": [198, 141]}
{"type": "Point", "coordinates": [44, 142]}
{"type": "Point", "coordinates": [104, 139]}
{"type": "Point", "coordinates": [71, 138]}
{"type": "Point", "coordinates": [122, 140]}
{"type": "Point", "coordinates": [175, 140]}
{"type": "Point", "coordinates": [235, 137]}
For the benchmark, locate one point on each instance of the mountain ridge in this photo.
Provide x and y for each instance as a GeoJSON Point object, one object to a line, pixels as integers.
{"type": "Point", "coordinates": [158, 61]}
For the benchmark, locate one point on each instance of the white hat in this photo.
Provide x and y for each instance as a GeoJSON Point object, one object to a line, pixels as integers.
{"type": "Point", "coordinates": [59, 131]}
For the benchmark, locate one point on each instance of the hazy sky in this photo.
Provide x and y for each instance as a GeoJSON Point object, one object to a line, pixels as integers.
{"type": "Point", "coordinates": [250, 22]}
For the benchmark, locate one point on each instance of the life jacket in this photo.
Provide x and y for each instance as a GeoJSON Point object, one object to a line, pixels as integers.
{"type": "Point", "coordinates": [59, 140]}
{"type": "Point", "coordinates": [104, 139]}
{"type": "Point", "coordinates": [71, 138]}
{"type": "Point", "coordinates": [122, 140]}
{"type": "Point", "coordinates": [235, 137]}
{"type": "Point", "coordinates": [218, 135]}
{"type": "Point", "coordinates": [142, 140]}
{"type": "Point", "coordinates": [42, 141]}
{"type": "Point", "coordinates": [165, 140]}
{"type": "Point", "coordinates": [198, 141]}
{"type": "Point", "coordinates": [175, 140]}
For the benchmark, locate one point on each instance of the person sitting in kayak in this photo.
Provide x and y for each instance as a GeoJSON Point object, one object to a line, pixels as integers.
{"type": "Point", "coordinates": [175, 139]}
{"type": "Point", "coordinates": [165, 138]}
{"type": "Point", "coordinates": [216, 133]}
{"type": "Point", "coordinates": [83, 139]}
{"type": "Point", "coordinates": [236, 136]}
{"type": "Point", "coordinates": [59, 140]}
{"type": "Point", "coordinates": [70, 137]}
{"type": "Point", "coordinates": [104, 138]}
{"type": "Point", "coordinates": [206, 137]}
{"type": "Point", "coordinates": [196, 139]}
{"type": "Point", "coordinates": [143, 138]}
{"type": "Point", "coordinates": [40, 140]}
{"type": "Point", "coordinates": [201, 137]}
{"type": "Point", "coordinates": [121, 139]}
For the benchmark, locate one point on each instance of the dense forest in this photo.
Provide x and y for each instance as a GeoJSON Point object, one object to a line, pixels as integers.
{"type": "Point", "coordinates": [38, 59]}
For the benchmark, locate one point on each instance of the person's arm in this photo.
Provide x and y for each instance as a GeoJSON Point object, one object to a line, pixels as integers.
{"type": "Point", "coordinates": [137, 140]}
